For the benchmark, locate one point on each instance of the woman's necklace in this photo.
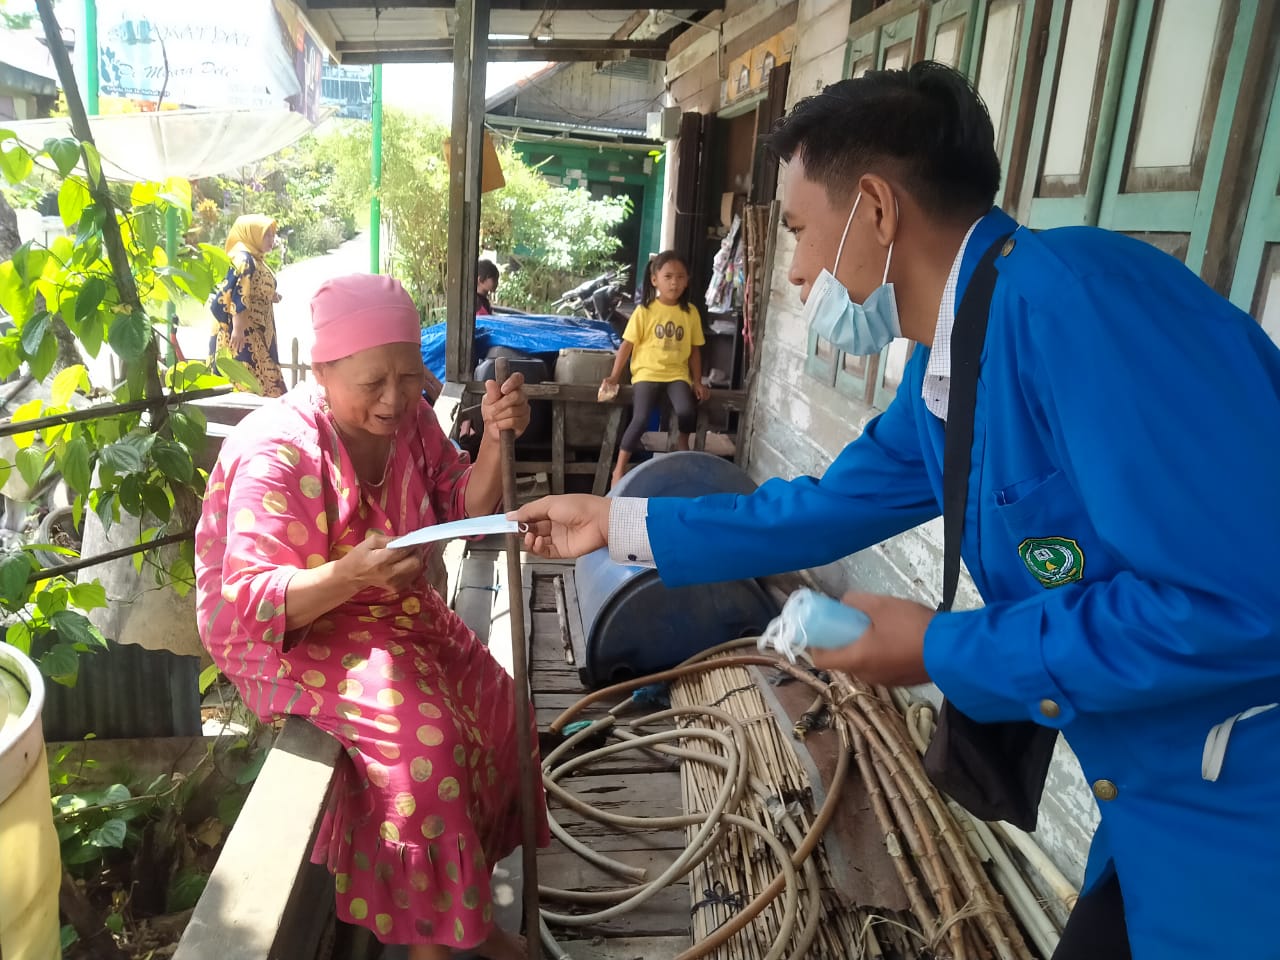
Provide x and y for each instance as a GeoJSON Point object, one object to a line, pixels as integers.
{"type": "Point", "coordinates": [368, 469]}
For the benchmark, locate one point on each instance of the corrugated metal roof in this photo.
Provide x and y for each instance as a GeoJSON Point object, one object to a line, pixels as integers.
{"type": "Point", "coordinates": [126, 691]}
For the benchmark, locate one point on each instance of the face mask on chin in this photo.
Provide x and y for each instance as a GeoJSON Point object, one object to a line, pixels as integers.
{"type": "Point", "coordinates": [861, 329]}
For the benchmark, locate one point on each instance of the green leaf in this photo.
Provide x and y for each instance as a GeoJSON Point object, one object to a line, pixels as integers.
{"type": "Point", "coordinates": [207, 676]}
{"type": "Point", "coordinates": [64, 152]}
{"type": "Point", "coordinates": [67, 382]}
{"type": "Point", "coordinates": [92, 331]}
{"type": "Point", "coordinates": [116, 793]}
{"type": "Point", "coordinates": [75, 466]}
{"type": "Point", "coordinates": [182, 576]}
{"type": "Point", "coordinates": [129, 334]}
{"type": "Point", "coordinates": [177, 191]}
{"type": "Point", "coordinates": [157, 502]}
{"type": "Point", "coordinates": [51, 548]}
{"type": "Point", "coordinates": [88, 596]}
{"type": "Point", "coordinates": [105, 509]}
{"type": "Point", "coordinates": [61, 664]}
{"type": "Point", "coordinates": [29, 261]}
{"type": "Point", "coordinates": [185, 890]}
{"type": "Point", "coordinates": [230, 805]}
{"type": "Point", "coordinates": [18, 634]}
{"type": "Point", "coordinates": [33, 332]}
{"type": "Point", "coordinates": [173, 460]}
{"type": "Point", "coordinates": [88, 242]}
{"type": "Point", "coordinates": [131, 498]}
{"type": "Point", "coordinates": [140, 440]}
{"type": "Point", "coordinates": [15, 569]}
{"type": "Point", "coordinates": [83, 852]}
{"type": "Point", "coordinates": [115, 923]}
{"type": "Point", "coordinates": [189, 427]}
{"type": "Point", "coordinates": [89, 298]}
{"type": "Point", "coordinates": [75, 628]}
{"type": "Point", "coordinates": [93, 162]}
{"type": "Point", "coordinates": [52, 599]}
{"type": "Point", "coordinates": [16, 297]}
{"type": "Point", "coordinates": [31, 461]}
{"type": "Point", "coordinates": [237, 372]}
{"type": "Point", "coordinates": [122, 457]}
{"type": "Point", "coordinates": [73, 199]}
{"type": "Point", "coordinates": [148, 227]}
{"type": "Point", "coordinates": [110, 835]}
{"type": "Point", "coordinates": [67, 935]}
{"type": "Point", "coordinates": [10, 361]}
{"type": "Point", "coordinates": [251, 770]}
{"type": "Point", "coordinates": [15, 164]}
{"type": "Point", "coordinates": [45, 357]}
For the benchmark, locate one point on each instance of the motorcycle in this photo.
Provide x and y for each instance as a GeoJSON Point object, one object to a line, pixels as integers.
{"type": "Point", "coordinates": [603, 297]}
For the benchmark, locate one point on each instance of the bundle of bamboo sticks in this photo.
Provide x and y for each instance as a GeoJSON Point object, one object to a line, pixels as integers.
{"type": "Point", "coordinates": [955, 910]}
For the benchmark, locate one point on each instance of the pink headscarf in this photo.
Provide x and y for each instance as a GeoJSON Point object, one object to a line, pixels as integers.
{"type": "Point", "coordinates": [363, 310]}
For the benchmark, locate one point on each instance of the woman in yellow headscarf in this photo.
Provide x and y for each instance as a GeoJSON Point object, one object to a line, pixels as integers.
{"type": "Point", "coordinates": [243, 305]}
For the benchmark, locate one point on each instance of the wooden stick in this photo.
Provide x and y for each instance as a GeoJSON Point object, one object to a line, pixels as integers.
{"type": "Point", "coordinates": [524, 717]}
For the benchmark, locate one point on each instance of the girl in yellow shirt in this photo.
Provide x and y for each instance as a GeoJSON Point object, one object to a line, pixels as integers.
{"type": "Point", "coordinates": [662, 341]}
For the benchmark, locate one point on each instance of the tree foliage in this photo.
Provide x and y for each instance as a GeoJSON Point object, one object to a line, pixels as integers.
{"type": "Point", "coordinates": [294, 187]}
{"type": "Point", "coordinates": [556, 236]}
{"type": "Point", "coordinates": [137, 463]}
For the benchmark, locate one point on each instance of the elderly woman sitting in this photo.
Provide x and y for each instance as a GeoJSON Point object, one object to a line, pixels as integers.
{"type": "Point", "coordinates": [305, 608]}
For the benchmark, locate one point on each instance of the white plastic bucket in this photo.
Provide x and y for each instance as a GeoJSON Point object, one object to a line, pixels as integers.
{"type": "Point", "coordinates": [30, 868]}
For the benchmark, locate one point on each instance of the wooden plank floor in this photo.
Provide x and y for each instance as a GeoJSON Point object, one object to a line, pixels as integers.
{"type": "Point", "coordinates": [630, 783]}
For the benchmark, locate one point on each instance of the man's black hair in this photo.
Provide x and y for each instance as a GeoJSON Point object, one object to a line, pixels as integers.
{"type": "Point", "coordinates": [924, 128]}
{"type": "Point", "coordinates": [486, 270]}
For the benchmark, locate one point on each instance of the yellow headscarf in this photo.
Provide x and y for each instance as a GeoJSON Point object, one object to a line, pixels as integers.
{"type": "Point", "coordinates": [250, 232]}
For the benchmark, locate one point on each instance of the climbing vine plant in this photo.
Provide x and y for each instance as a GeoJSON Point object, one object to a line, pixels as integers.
{"type": "Point", "coordinates": [136, 459]}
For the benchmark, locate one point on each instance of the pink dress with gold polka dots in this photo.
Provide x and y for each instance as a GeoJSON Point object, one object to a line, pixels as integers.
{"type": "Point", "coordinates": [429, 801]}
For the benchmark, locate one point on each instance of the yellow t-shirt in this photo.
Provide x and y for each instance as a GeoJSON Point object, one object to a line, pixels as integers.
{"type": "Point", "coordinates": [662, 337]}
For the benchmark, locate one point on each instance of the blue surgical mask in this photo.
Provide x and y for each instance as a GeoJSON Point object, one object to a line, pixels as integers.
{"type": "Point", "coordinates": [861, 329]}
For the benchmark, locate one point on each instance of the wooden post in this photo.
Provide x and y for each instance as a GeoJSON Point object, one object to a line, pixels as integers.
{"type": "Point", "coordinates": [524, 709]}
{"type": "Point", "coordinates": [470, 53]}
{"type": "Point", "coordinates": [608, 442]}
{"type": "Point", "coordinates": [557, 446]}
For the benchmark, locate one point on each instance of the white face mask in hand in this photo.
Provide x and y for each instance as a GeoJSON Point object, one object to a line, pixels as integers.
{"type": "Point", "coordinates": [861, 329]}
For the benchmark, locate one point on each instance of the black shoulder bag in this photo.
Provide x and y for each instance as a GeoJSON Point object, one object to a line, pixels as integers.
{"type": "Point", "coordinates": [996, 771]}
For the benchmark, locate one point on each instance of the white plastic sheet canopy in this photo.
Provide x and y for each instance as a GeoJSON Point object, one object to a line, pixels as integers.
{"type": "Point", "coordinates": [178, 143]}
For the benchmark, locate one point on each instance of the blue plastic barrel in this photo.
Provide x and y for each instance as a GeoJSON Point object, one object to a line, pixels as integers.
{"type": "Point", "coordinates": [635, 625]}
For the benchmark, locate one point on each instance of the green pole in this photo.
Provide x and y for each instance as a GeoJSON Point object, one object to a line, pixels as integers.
{"type": "Point", "coordinates": [91, 56]}
{"type": "Point", "coordinates": [375, 205]}
{"type": "Point", "coordinates": [171, 254]}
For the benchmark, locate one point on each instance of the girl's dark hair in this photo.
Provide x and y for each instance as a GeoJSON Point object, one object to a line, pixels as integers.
{"type": "Point", "coordinates": [926, 127]}
{"type": "Point", "coordinates": [486, 270]}
{"type": "Point", "coordinates": [649, 292]}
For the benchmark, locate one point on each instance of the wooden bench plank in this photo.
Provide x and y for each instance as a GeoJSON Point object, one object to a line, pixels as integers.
{"type": "Point", "coordinates": [476, 593]}
{"type": "Point", "coordinates": [263, 876]}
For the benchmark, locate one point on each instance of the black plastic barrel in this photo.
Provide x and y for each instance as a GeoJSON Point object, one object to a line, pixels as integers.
{"type": "Point", "coordinates": [634, 624]}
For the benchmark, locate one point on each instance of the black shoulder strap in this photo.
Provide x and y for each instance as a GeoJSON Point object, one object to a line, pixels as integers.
{"type": "Point", "coordinates": [967, 337]}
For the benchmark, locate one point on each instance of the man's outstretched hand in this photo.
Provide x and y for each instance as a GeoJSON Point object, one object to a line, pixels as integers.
{"type": "Point", "coordinates": [566, 526]}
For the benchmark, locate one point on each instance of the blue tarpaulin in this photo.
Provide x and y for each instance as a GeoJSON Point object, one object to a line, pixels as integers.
{"type": "Point", "coordinates": [535, 334]}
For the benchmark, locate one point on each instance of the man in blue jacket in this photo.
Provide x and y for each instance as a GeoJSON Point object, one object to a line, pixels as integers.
{"type": "Point", "coordinates": [1123, 506]}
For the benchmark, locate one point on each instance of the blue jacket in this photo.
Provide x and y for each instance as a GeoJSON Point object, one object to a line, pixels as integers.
{"type": "Point", "coordinates": [1124, 513]}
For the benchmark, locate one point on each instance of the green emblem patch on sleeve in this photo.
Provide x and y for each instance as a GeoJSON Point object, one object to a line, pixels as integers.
{"type": "Point", "coordinates": [1052, 560]}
